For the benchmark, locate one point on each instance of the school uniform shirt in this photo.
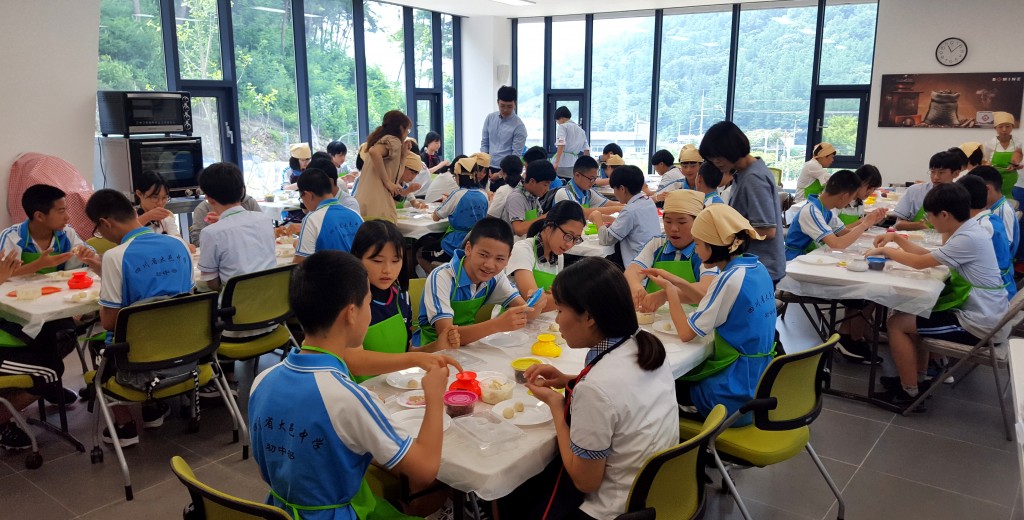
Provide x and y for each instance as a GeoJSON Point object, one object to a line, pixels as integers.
{"type": "Point", "coordinates": [386, 303]}
{"type": "Point", "coordinates": [993, 226]}
{"type": "Point", "coordinates": [241, 242]}
{"type": "Point", "coordinates": [526, 252]}
{"type": "Point", "coordinates": [17, 239]}
{"type": "Point", "coordinates": [1010, 223]}
{"type": "Point", "coordinates": [646, 257]}
{"type": "Point", "coordinates": [498, 201]}
{"type": "Point", "coordinates": [203, 209]}
{"type": "Point", "coordinates": [739, 307]}
{"type": "Point", "coordinates": [726, 194]}
{"type": "Point", "coordinates": [623, 414]}
{"type": "Point", "coordinates": [636, 224]}
{"type": "Point", "coordinates": [574, 139]}
{"type": "Point", "coordinates": [517, 204]}
{"type": "Point", "coordinates": [671, 181]}
{"type": "Point", "coordinates": [755, 196]}
{"type": "Point", "coordinates": [329, 226]}
{"type": "Point", "coordinates": [442, 288]}
{"type": "Point", "coordinates": [912, 201]}
{"type": "Point", "coordinates": [812, 171]}
{"type": "Point", "coordinates": [812, 224]}
{"type": "Point", "coordinates": [424, 180]}
{"type": "Point", "coordinates": [463, 209]}
{"type": "Point", "coordinates": [318, 453]}
{"type": "Point", "coordinates": [713, 198]}
{"type": "Point", "coordinates": [144, 266]}
{"type": "Point", "coordinates": [969, 250]}
{"type": "Point", "coordinates": [573, 192]}
{"type": "Point", "coordinates": [442, 185]}
{"type": "Point", "coordinates": [165, 226]}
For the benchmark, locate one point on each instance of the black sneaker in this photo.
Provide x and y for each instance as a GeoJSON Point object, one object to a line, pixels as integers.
{"type": "Point", "coordinates": [153, 414]}
{"type": "Point", "coordinates": [210, 391]}
{"type": "Point", "coordinates": [127, 435]}
{"type": "Point", "coordinates": [858, 351]}
{"type": "Point", "coordinates": [899, 397]}
{"type": "Point", "coordinates": [14, 438]}
{"type": "Point", "coordinates": [53, 397]}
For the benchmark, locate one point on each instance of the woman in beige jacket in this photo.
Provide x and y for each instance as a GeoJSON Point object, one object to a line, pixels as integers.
{"type": "Point", "coordinates": [382, 155]}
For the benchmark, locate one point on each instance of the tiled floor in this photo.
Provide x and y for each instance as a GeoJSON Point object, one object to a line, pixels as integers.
{"type": "Point", "coordinates": [950, 462]}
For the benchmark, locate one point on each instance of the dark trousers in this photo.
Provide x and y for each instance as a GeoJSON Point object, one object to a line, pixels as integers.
{"type": "Point", "coordinates": [551, 491]}
{"type": "Point", "coordinates": [47, 350]}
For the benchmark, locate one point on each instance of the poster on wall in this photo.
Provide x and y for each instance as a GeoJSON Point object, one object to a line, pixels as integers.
{"type": "Point", "coordinates": [949, 100]}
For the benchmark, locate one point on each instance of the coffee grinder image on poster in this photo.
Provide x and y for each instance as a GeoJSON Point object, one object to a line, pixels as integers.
{"type": "Point", "coordinates": [949, 100]}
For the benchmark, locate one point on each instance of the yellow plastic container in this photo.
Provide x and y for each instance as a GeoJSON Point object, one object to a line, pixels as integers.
{"type": "Point", "coordinates": [520, 365]}
{"type": "Point", "coordinates": [546, 346]}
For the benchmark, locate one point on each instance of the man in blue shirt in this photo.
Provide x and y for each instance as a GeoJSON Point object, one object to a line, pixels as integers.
{"type": "Point", "coordinates": [503, 133]}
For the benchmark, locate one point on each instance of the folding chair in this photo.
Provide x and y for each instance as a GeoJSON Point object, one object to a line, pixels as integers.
{"type": "Point", "coordinates": [986, 353]}
{"type": "Point", "coordinates": [209, 503]}
{"type": "Point", "coordinates": [787, 401]}
{"type": "Point", "coordinates": [34, 460]}
{"type": "Point", "coordinates": [153, 336]}
{"type": "Point", "coordinates": [671, 482]}
{"type": "Point", "coordinates": [256, 301]}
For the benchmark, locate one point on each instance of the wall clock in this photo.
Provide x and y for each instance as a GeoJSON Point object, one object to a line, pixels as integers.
{"type": "Point", "coordinates": [951, 51]}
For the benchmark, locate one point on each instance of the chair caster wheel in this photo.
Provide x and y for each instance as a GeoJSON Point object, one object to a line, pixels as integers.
{"type": "Point", "coordinates": [33, 460]}
{"type": "Point", "coordinates": [193, 425]}
{"type": "Point", "coordinates": [96, 455]}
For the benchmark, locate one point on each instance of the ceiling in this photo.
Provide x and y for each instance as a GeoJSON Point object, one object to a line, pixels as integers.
{"type": "Point", "coordinates": [550, 7]}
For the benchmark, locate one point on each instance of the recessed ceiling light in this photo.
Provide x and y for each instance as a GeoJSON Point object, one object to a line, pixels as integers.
{"type": "Point", "coordinates": [517, 3]}
{"type": "Point", "coordinates": [270, 9]}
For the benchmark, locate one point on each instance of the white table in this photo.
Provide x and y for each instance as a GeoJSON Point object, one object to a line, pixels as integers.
{"type": "Point", "coordinates": [32, 314]}
{"type": "Point", "coordinates": [495, 476]}
{"type": "Point", "coordinates": [414, 223]}
{"type": "Point", "coordinates": [1015, 356]}
{"type": "Point", "coordinates": [276, 208]}
{"type": "Point", "coordinates": [591, 247]}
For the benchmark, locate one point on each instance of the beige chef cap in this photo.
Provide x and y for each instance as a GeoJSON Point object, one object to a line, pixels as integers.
{"type": "Point", "coordinates": [615, 160]}
{"type": "Point", "coordinates": [719, 225]}
{"type": "Point", "coordinates": [823, 150]}
{"type": "Point", "coordinates": [413, 161]}
{"type": "Point", "coordinates": [686, 202]}
{"type": "Point", "coordinates": [1002, 118]}
{"type": "Point", "coordinates": [969, 147]}
{"type": "Point", "coordinates": [689, 153]}
{"type": "Point", "coordinates": [300, 151]}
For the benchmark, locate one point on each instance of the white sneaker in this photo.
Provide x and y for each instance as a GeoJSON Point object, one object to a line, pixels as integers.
{"type": "Point", "coordinates": [447, 512]}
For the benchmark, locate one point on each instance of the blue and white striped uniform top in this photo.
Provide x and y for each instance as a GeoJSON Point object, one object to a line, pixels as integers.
{"type": "Point", "coordinates": [1006, 212]}
{"type": "Point", "coordinates": [146, 265]}
{"type": "Point", "coordinates": [329, 226]}
{"type": "Point", "coordinates": [317, 453]}
{"type": "Point", "coordinates": [812, 224]}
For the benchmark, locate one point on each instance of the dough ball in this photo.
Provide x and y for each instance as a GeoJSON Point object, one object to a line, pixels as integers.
{"type": "Point", "coordinates": [413, 383]}
{"type": "Point", "coordinates": [554, 328]}
{"type": "Point", "coordinates": [518, 406]}
{"type": "Point", "coordinates": [508, 413]}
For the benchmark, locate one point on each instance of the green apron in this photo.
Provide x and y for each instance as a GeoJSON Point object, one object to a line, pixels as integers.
{"type": "Point", "coordinates": [956, 291]}
{"type": "Point", "coordinates": [721, 358]}
{"type": "Point", "coordinates": [32, 257]}
{"type": "Point", "coordinates": [532, 214]}
{"type": "Point", "coordinates": [1001, 162]}
{"type": "Point", "coordinates": [814, 188]}
{"type": "Point", "coordinates": [919, 216]}
{"type": "Point", "coordinates": [389, 336]}
{"type": "Point", "coordinates": [680, 268]}
{"type": "Point", "coordinates": [543, 279]}
{"type": "Point", "coordinates": [848, 219]}
{"type": "Point", "coordinates": [464, 313]}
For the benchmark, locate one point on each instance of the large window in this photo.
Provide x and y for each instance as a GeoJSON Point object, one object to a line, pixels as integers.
{"type": "Point", "coordinates": [198, 30]}
{"type": "Point", "coordinates": [773, 83]}
{"type": "Point", "coordinates": [620, 104]}
{"type": "Point", "coordinates": [331, 66]}
{"type": "Point", "coordinates": [448, 84]}
{"type": "Point", "coordinates": [385, 60]}
{"type": "Point", "coordinates": [568, 44]}
{"type": "Point", "coordinates": [530, 79]}
{"type": "Point", "coordinates": [694, 76]}
{"type": "Point", "coordinates": [265, 68]}
{"type": "Point", "coordinates": [423, 43]}
{"type": "Point", "coordinates": [131, 54]}
{"type": "Point", "coordinates": [848, 43]}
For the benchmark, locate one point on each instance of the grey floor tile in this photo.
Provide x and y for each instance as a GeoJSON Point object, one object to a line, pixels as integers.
{"type": "Point", "coordinates": [794, 486]}
{"type": "Point", "coordinates": [22, 499]}
{"type": "Point", "coordinates": [877, 495]}
{"type": "Point", "coordinates": [843, 437]}
{"type": "Point", "coordinates": [948, 464]}
{"type": "Point", "coordinates": [723, 507]}
{"type": "Point", "coordinates": [852, 407]}
{"type": "Point", "coordinates": [1018, 506]}
{"type": "Point", "coordinates": [969, 422]}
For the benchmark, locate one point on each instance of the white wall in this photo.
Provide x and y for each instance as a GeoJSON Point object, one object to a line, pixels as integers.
{"type": "Point", "coordinates": [908, 32]}
{"type": "Point", "coordinates": [486, 43]}
{"type": "Point", "coordinates": [48, 57]}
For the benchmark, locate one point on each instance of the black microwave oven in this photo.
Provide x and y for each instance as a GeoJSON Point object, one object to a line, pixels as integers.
{"type": "Point", "coordinates": [122, 161]}
{"type": "Point", "coordinates": [127, 113]}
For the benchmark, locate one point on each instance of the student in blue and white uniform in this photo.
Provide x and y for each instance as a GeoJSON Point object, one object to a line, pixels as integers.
{"type": "Point", "coordinates": [330, 225]}
{"type": "Point", "coordinates": [943, 168]}
{"type": "Point", "coordinates": [739, 309]}
{"type": "Point", "coordinates": [709, 178]}
{"type": "Point", "coordinates": [637, 222]}
{"type": "Point", "coordinates": [463, 208]}
{"type": "Point", "coordinates": [580, 189]}
{"type": "Point", "coordinates": [47, 229]}
{"type": "Point", "coordinates": [475, 277]}
{"type": "Point", "coordinates": [817, 224]}
{"type": "Point", "coordinates": [130, 276]}
{"type": "Point", "coordinates": [538, 259]}
{"type": "Point", "coordinates": [675, 252]}
{"type": "Point", "coordinates": [993, 225]}
{"type": "Point", "coordinates": [968, 308]}
{"type": "Point", "coordinates": [522, 207]}
{"type": "Point", "coordinates": [671, 178]}
{"type": "Point", "coordinates": [314, 457]}
{"type": "Point", "coordinates": [998, 205]}
{"type": "Point", "coordinates": [512, 172]}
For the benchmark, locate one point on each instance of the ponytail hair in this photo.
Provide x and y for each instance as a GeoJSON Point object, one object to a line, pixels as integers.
{"type": "Point", "coordinates": [565, 211]}
{"type": "Point", "coordinates": [597, 287]}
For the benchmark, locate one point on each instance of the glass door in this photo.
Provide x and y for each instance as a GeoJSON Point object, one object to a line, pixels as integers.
{"type": "Point", "coordinates": [839, 119]}
{"type": "Point", "coordinates": [574, 102]}
{"type": "Point", "coordinates": [211, 121]}
{"type": "Point", "coordinates": [427, 117]}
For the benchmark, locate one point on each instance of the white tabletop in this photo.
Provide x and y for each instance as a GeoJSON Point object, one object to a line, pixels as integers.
{"type": "Point", "coordinates": [32, 314]}
{"type": "Point", "coordinates": [414, 223]}
{"type": "Point", "coordinates": [276, 208]}
{"type": "Point", "coordinates": [494, 476]}
{"type": "Point", "coordinates": [1015, 356]}
{"type": "Point", "coordinates": [898, 287]}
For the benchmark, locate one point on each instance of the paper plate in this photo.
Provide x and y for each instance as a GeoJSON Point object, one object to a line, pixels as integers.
{"type": "Point", "coordinates": [534, 412]}
{"type": "Point", "coordinates": [666, 327]}
{"type": "Point", "coordinates": [409, 421]}
{"type": "Point", "coordinates": [817, 260]}
{"type": "Point", "coordinates": [412, 399]}
{"type": "Point", "coordinates": [408, 379]}
{"type": "Point", "coordinates": [507, 339]}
